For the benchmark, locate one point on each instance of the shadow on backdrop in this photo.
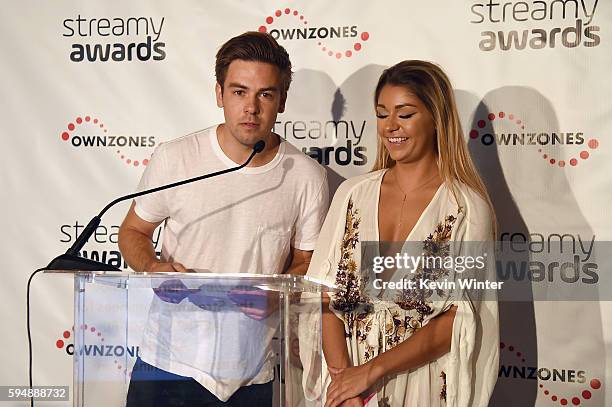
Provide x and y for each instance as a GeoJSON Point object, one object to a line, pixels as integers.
{"type": "Point", "coordinates": [339, 130]}
{"type": "Point", "coordinates": [545, 198]}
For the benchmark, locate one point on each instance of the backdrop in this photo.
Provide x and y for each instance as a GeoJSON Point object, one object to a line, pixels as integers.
{"type": "Point", "coordinates": [89, 89]}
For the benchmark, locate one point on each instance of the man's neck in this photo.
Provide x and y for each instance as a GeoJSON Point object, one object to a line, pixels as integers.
{"type": "Point", "coordinates": [239, 153]}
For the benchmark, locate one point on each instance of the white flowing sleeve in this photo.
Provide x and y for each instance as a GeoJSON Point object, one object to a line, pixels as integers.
{"type": "Point", "coordinates": [473, 362]}
{"type": "Point", "coordinates": [322, 267]}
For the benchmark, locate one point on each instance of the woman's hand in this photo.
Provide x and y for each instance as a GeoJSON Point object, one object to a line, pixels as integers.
{"type": "Point", "coordinates": [349, 383]}
{"type": "Point", "coordinates": [353, 402]}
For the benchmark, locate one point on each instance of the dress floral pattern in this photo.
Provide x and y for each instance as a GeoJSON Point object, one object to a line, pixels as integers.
{"type": "Point", "coordinates": [374, 325]}
{"type": "Point", "coordinates": [349, 295]}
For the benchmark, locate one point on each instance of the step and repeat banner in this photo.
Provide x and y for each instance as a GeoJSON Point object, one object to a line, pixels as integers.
{"type": "Point", "coordinates": [90, 88]}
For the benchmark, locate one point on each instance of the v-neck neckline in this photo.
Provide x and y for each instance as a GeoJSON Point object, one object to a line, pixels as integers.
{"type": "Point", "coordinates": [418, 222]}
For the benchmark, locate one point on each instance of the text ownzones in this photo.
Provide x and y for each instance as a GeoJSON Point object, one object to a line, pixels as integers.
{"type": "Point", "coordinates": [533, 139]}
{"type": "Point", "coordinates": [117, 140]}
{"type": "Point", "coordinates": [314, 33]}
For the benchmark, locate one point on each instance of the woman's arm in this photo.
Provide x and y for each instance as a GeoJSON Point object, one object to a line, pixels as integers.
{"type": "Point", "coordinates": [334, 347]}
{"type": "Point", "coordinates": [334, 341]}
{"type": "Point", "coordinates": [426, 344]}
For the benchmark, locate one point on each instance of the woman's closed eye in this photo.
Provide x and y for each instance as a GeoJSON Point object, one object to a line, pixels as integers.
{"type": "Point", "coordinates": [401, 116]}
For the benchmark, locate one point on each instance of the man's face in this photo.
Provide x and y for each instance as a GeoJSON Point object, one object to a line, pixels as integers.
{"type": "Point", "coordinates": [251, 98]}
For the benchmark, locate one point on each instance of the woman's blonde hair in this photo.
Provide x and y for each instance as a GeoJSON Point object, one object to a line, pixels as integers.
{"type": "Point", "coordinates": [431, 85]}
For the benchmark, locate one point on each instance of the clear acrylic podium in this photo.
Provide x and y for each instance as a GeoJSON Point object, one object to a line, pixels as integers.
{"type": "Point", "coordinates": [233, 327]}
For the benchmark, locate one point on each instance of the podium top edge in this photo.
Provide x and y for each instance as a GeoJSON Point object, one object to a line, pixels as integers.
{"type": "Point", "coordinates": [194, 274]}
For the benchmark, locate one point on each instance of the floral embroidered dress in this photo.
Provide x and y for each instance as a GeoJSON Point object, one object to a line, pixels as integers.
{"type": "Point", "coordinates": [375, 323]}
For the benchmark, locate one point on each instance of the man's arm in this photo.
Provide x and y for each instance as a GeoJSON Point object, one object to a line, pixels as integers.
{"type": "Point", "coordinates": [136, 246]}
{"type": "Point", "coordinates": [300, 260]}
{"type": "Point", "coordinates": [334, 341]}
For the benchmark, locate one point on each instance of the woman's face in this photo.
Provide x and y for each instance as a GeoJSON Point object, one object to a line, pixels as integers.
{"type": "Point", "coordinates": [404, 125]}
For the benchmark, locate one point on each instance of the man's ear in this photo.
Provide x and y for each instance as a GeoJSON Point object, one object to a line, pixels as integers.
{"type": "Point", "coordinates": [281, 106]}
{"type": "Point", "coordinates": [219, 94]}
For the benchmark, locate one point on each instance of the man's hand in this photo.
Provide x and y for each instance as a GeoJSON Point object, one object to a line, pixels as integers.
{"type": "Point", "coordinates": [260, 304]}
{"type": "Point", "coordinates": [300, 260]}
{"type": "Point", "coordinates": [135, 243]}
{"type": "Point", "coordinates": [256, 304]}
{"type": "Point", "coordinates": [164, 267]}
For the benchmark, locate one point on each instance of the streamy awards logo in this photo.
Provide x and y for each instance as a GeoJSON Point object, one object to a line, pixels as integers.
{"type": "Point", "coordinates": [117, 39]}
{"type": "Point", "coordinates": [336, 41]}
{"type": "Point", "coordinates": [519, 25]}
{"type": "Point", "coordinates": [344, 135]}
{"type": "Point", "coordinates": [550, 258]}
{"type": "Point", "coordinates": [507, 129]}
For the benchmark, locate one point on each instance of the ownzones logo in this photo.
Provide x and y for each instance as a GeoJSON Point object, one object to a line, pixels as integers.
{"type": "Point", "coordinates": [96, 347]}
{"type": "Point", "coordinates": [510, 130]}
{"type": "Point", "coordinates": [90, 132]}
{"type": "Point", "coordinates": [572, 386]}
{"type": "Point", "coordinates": [115, 39]}
{"type": "Point", "coordinates": [567, 23]}
{"type": "Point", "coordinates": [337, 41]}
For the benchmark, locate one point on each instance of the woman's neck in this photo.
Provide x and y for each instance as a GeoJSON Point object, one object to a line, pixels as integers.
{"type": "Point", "coordinates": [415, 174]}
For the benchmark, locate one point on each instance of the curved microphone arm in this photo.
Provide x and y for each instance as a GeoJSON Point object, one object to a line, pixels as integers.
{"type": "Point", "coordinates": [71, 260]}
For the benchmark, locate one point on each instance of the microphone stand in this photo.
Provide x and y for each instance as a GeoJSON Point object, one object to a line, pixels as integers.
{"type": "Point", "coordinates": [71, 260]}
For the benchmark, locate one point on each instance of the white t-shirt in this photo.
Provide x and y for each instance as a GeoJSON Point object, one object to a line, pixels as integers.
{"type": "Point", "coordinates": [242, 222]}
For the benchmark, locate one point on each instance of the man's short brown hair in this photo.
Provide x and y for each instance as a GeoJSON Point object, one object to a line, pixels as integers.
{"type": "Point", "coordinates": [254, 46]}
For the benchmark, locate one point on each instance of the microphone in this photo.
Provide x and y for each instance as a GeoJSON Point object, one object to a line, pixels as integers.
{"type": "Point", "coordinates": [259, 146]}
{"type": "Point", "coordinates": [71, 259]}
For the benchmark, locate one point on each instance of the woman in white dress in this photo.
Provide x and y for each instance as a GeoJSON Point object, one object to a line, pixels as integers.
{"type": "Point", "coordinates": [408, 348]}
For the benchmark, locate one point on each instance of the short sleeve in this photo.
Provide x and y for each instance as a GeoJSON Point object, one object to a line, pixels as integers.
{"type": "Point", "coordinates": [153, 207]}
{"type": "Point", "coordinates": [311, 216]}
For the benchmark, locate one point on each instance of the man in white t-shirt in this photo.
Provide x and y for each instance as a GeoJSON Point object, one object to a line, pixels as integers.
{"type": "Point", "coordinates": [255, 220]}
